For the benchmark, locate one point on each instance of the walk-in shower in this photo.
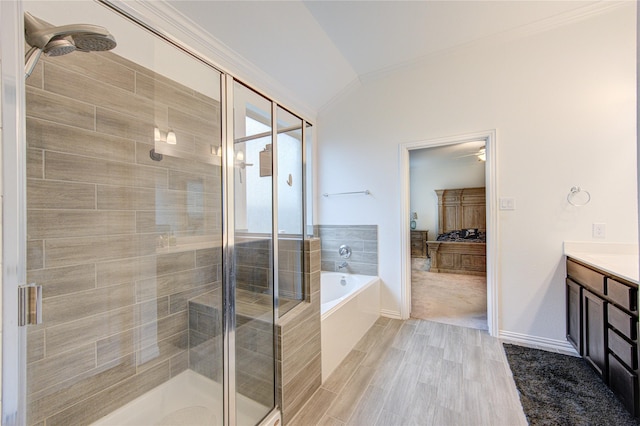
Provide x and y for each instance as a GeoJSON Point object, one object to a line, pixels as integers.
{"type": "Point", "coordinates": [162, 281]}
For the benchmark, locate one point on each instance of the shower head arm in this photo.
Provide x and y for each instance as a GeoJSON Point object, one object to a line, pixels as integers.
{"type": "Point", "coordinates": [31, 59]}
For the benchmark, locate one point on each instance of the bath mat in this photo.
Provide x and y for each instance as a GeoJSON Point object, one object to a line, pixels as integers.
{"type": "Point", "coordinates": [560, 389]}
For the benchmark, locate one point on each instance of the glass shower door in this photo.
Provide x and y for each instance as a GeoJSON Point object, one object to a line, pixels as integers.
{"type": "Point", "coordinates": [268, 245]}
{"type": "Point", "coordinates": [253, 257]}
{"type": "Point", "coordinates": [124, 231]}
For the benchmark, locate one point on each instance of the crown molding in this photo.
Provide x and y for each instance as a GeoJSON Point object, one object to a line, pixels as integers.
{"type": "Point", "coordinates": [181, 30]}
{"type": "Point", "coordinates": [343, 93]}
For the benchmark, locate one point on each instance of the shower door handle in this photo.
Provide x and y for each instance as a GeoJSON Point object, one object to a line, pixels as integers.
{"type": "Point", "coordinates": [29, 304]}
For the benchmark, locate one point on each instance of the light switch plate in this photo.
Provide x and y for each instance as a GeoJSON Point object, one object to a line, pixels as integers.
{"type": "Point", "coordinates": [507, 203]}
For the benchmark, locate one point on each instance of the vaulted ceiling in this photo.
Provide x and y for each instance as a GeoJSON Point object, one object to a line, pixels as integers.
{"type": "Point", "coordinates": [317, 49]}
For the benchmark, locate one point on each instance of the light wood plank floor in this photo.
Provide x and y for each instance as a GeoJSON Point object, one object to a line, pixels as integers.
{"type": "Point", "coordinates": [418, 372]}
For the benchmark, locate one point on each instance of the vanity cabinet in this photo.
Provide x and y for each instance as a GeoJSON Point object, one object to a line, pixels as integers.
{"type": "Point", "coordinates": [419, 243]}
{"type": "Point", "coordinates": [574, 314]}
{"type": "Point", "coordinates": [602, 324]}
{"type": "Point", "coordinates": [593, 330]}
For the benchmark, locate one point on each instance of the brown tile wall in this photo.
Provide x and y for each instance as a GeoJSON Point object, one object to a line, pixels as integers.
{"type": "Point", "coordinates": [115, 304]}
{"type": "Point", "coordinates": [298, 336]}
{"type": "Point", "coordinates": [205, 335]}
{"type": "Point", "coordinates": [253, 338]}
{"type": "Point", "coordinates": [299, 370]}
{"type": "Point", "coordinates": [253, 266]}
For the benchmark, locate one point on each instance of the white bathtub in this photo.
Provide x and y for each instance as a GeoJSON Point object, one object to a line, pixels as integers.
{"type": "Point", "coordinates": [350, 306]}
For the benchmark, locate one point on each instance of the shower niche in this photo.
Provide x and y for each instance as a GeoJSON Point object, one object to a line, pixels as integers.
{"type": "Point", "coordinates": [164, 255]}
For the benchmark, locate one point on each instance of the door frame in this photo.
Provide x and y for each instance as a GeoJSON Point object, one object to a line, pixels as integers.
{"type": "Point", "coordinates": [491, 185]}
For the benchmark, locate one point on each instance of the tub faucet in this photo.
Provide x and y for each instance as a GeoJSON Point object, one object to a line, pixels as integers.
{"type": "Point", "coordinates": [342, 265]}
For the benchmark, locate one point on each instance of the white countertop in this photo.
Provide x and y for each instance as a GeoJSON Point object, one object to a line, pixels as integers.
{"type": "Point", "coordinates": [614, 258]}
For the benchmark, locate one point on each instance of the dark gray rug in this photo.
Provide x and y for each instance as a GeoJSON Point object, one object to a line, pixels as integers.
{"type": "Point", "coordinates": [560, 389]}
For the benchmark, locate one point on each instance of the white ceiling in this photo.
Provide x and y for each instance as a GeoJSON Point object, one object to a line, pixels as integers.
{"type": "Point", "coordinates": [317, 49]}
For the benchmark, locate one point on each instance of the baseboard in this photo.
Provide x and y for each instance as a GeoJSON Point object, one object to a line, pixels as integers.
{"type": "Point", "coordinates": [552, 345]}
{"type": "Point", "coordinates": [388, 313]}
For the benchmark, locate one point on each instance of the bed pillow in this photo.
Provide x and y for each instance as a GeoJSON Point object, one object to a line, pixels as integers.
{"type": "Point", "coordinates": [449, 236]}
{"type": "Point", "coordinates": [469, 233]}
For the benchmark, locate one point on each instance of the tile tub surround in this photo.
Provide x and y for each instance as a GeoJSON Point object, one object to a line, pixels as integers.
{"type": "Point", "coordinates": [363, 240]}
{"type": "Point", "coordinates": [115, 304]}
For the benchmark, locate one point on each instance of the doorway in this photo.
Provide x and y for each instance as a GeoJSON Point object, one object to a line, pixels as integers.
{"type": "Point", "coordinates": [489, 139]}
{"type": "Point", "coordinates": [448, 234]}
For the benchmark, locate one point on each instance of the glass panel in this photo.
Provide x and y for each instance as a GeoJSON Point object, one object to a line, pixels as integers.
{"type": "Point", "coordinates": [253, 260]}
{"type": "Point", "coordinates": [124, 230]}
{"type": "Point", "coordinates": [290, 190]}
{"type": "Point", "coordinates": [309, 149]}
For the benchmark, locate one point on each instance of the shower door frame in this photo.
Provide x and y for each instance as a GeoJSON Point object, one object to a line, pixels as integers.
{"type": "Point", "coordinates": [14, 229]}
{"type": "Point", "coordinates": [13, 138]}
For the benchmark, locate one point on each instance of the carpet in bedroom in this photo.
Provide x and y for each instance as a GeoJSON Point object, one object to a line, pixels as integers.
{"type": "Point", "coordinates": [558, 389]}
{"type": "Point", "coordinates": [448, 298]}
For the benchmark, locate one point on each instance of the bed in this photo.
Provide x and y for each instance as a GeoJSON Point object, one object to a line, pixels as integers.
{"type": "Point", "coordinates": [460, 247]}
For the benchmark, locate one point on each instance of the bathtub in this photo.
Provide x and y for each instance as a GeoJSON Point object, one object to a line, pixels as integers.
{"type": "Point", "coordinates": [350, 305]}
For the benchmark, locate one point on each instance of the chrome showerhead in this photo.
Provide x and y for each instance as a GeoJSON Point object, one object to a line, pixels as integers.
{"type": "Point", "coordinates": [91, 42]}
{"type": "Point", "coordinates": [57, 41]}
{"type": "Point", "coordinates": [59, 46]}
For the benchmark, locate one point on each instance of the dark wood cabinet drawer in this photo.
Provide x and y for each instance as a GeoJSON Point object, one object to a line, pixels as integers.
{"type": "Point", "coordinates": [624, 384]}
{"type": "Point", "coordinates": [594, 332]}
{"type": "Point", "coordinates": [622, 294]}
{"type": "Point", "coordinates": [585, 276]}
{"type": "Point", "coordinates": [623, 322]}
{"type": "Point", "coordinates": [574, 315]}
{"type": "Point", "coordinates": [627, 352]}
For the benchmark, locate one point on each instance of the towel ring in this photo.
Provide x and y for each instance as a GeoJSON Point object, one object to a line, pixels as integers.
{"type": "Point", "coordinates": [576, 190]}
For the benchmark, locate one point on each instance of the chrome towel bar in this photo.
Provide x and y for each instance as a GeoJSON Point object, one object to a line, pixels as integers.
{"type": "Point", "coordinates": [365, 192]}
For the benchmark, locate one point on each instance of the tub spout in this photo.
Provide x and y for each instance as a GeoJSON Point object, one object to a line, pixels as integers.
{"type": "Point", "coordinates": [342, 265]}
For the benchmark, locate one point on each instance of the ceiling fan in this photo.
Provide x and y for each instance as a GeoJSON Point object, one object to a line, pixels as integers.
{"type": "Point", "coordinates": [481, 153]}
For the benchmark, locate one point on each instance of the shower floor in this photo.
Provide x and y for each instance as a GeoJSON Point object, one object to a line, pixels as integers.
{"type": "Point", "coordinates": [189, 399]}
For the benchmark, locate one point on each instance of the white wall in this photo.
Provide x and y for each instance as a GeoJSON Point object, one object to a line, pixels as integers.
{"type": "Point", "coordinates": [563, 103]}
{"type": "Point", "coordinates": [430, 171]}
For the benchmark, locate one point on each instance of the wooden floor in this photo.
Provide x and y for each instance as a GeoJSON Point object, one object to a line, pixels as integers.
{"type": "Point", "coordinates": [418, 372]}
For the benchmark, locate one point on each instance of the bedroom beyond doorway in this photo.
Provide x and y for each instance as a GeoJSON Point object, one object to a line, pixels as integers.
{"type": "Point", "coordinates": [448, 242]}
